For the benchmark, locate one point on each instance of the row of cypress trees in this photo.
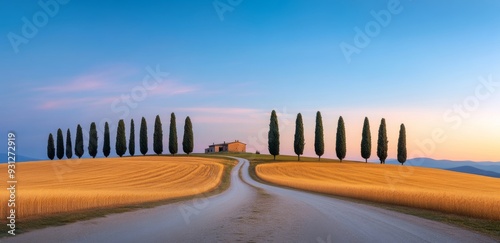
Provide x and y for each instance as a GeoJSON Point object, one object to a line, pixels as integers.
{"type": "Point", "coordinates": [382, 142]}
{"type": "Point", "coordinates": [121, 140]}
{"type": "Point", "coordinates": [340, 145]}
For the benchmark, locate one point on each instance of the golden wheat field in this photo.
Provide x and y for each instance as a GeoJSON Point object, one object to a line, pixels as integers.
{"type": "Point", "coordinates": [48, 187]}
{"type": "Point", "coordinates": [434, 189]}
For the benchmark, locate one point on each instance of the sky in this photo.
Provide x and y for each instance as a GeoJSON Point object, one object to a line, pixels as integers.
{"type": "Point", "coordinates": [432, 65]}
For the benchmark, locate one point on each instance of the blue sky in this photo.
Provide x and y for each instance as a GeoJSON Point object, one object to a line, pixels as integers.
{"type": "Point", "coordinates": [228, 74]}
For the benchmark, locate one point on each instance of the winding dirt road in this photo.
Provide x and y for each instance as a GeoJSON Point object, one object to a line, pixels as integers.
{"type": "Point", "coordinates": [250, 211]}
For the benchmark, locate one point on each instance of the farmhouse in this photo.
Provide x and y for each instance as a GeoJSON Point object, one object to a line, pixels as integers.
{"type": "Point", "coordinates": [235, 146]}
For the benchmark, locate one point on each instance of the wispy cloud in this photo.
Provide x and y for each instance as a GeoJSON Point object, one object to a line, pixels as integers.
{"type": "Point", "coordinates": [226, 115]}
{"type": "Point", "coordinates": [61, 103]}
{"type": "Point", "coordinates": [81, 84]}
{"type": "Point", "coordinates": [103, 88]}
{"type": "Point", "coordinates": [90, 81]}
{"type": "Point", "coordinates": [213, 119]}
{"type": "Point", "coordinates": [66, 103]}
{"type": "Point", "coordinates": [222, 110]}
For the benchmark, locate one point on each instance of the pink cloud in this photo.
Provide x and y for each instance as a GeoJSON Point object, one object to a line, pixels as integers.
{"type": "Point", "coordinates": [103, 88]}
{"type": "Point", "coordinates": [78, 85]}
{"type": "Point", "coordinates": [222, 110]}
{"type": "Point", "coordinates": [61, 103]}
{"type": "Point", "coordinates": [225, 115]}
{"type": "Point", "coordinates": [221, 119]}
{"type": "Point", "coordinates": [90, 81]}
{"type": "Point", "coordinates": [65, 103]}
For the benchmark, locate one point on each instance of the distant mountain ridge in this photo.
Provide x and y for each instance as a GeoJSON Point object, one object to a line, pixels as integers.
{"type": "Point", "coordinates": [474, 170]}
{"type": "Point", "coordinates": [479, 167]}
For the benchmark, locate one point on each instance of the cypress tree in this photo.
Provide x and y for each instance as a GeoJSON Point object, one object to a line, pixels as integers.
{"type": "Point", "coordinates": [274, 135]}
{"type": "Point", "coordinates": [402, 145]}
{"type": "Point", "coordinates": [340, 147]}
{"type": "Point", "coordinates": [158, 136]}
{"type": "Point", "coordinates": [93, 140]}
{"type": "Point", "coordinates": [121, 140]}
{"type": "Point", "coordinates": [143, 137]}
{"type": "Point", "coordinates": [106, 147]}
{"type": "Point", "coordinates": [69, 147]}
{"type": "Point", "coordinates": [131, 142]}
{"type": "Point", "coordinates": [382, 144]}
{"type": "Point", "coordinates": [60, 144]}
{"type": "Point", "coordinates": [188, 141]}
{"type": "Point", "coordinates": [319, 141]}
{"type": "Point", "coordinates": [298, 143]}
{"type": "Point", "coordinates": [51, 151]}
{"type": "Point", "coordinates": [79, 142]}
{"type": "Point", "coordinates": [172, 136]}
{"type": "Point", "coordinates": [366, 141]}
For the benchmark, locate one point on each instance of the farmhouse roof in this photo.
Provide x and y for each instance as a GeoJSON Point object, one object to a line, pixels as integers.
{"type": "Point", "coordinates": [222, 144]}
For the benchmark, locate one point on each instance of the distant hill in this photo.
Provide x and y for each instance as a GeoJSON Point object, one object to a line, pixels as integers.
{"type": "Point", "coordinates": [19, 158]}
{"type": "Point", "coordinates": [474, 170]}
{"type": "Point", "coordinates": [449, 164]}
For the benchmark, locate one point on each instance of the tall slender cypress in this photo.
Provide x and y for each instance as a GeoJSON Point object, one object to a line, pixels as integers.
{"type": "Point", "coordinates": [69, 147]}
{"type": "Point", "coordinates": [121, 139]}
{"type": "Point", "coordinates": [341, 147]}
{"type": "Point", "coordinates": [51, 150]}
{"type": "Point", "coordinates": [366, 141]}
{"type": "Point", "coordinates": [106, 147]}
{"type": "Point", "coordinates": [158, 136]}
{"type": "Point", "coordinates": [298, 142]}
{"type": "Point", "coordinates": [131, 144]}
{"type": "Point", "coordinates": [143, 137]}
{"type": "Point", "coordinates": [188, 141]}
{"type": "Point", "coordinates": [382, 144]}
{"type": "Point", "coordinates": [172, 136]}
{"type": "Point", "coordinates": [319, 141]}
{"type": "Point", "coordinates": [93, 140]}
{"type": "Point", "coordinates": [402, 145]}
{"type": "Point", "coordinates": [274, 135]}
{"type": "Point", "coordinates": [60, 144]}
{"type": "Point", "coordinates": [79, 142]}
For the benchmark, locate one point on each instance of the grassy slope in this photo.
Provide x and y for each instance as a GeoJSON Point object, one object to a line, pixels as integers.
{"type": "Point", "coordinates": [489, 227]}
{"type": "Point", "coordinates": [440, 190]}
{"type": "Point", "coordinates": [139, 175]}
